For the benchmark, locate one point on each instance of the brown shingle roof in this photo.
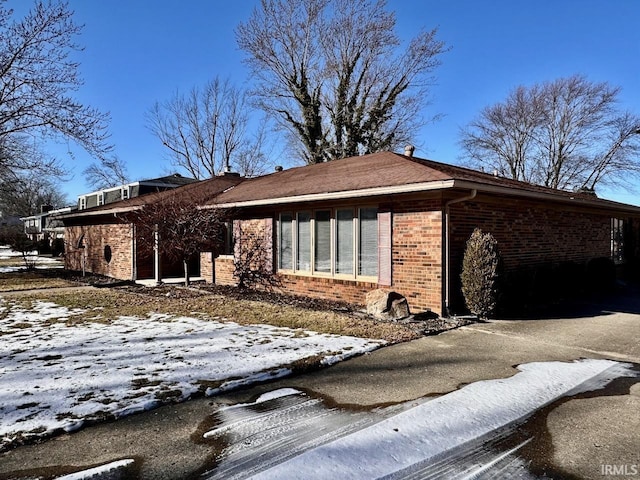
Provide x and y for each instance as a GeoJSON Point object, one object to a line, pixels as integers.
{"type": "Point", "coordinates": [377, 170]}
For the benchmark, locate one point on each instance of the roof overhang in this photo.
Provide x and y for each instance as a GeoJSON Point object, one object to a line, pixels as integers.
{"type": "Point", "coordinates": [563, 197]}
{"type": "Point", "coordinates": [96, 213]}
{"type": "Point", "coordinates": [346, 194]}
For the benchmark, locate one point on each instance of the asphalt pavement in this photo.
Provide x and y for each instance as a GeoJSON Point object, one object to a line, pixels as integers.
{"type": "Point", "coordinates": [593, 435]}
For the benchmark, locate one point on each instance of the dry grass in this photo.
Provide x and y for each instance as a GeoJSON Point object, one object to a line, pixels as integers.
{"type": "Point", "coordinates": [105, 305]}
{"type": "Point", "coordinates": [11, 262]}
{"type": "Point", "coordinates": [24, 280]}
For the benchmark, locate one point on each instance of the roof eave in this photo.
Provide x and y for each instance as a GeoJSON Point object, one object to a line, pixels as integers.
{"type": "Point", "coordinates": [346, 194]}
{"type": "Point", "coordinates": [95, 213]}
{"type": "Point", "coordinates": [573, 200]}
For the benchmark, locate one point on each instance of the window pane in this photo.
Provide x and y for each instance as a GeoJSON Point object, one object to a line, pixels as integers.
{"type": "Point", "coordinates": [368, 244]}
{"type": "Point", "coordinates": [322, 247]}
{"type": "Point", "coordinates": [344, 250]}
{"type": "Point", "coordinates": [304, 241]}
{"type": "Point", "coordinates": [617, 240]}
{"type": "Point", "coordinates": [286, 251]}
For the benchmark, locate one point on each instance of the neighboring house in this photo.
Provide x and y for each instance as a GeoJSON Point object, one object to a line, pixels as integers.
{"type": "Point", "coordinates": [131, 190]}
{"type": "Point", "coordinates": [340, 229]}
{"type": "Point", "coordinates": [45, 225]}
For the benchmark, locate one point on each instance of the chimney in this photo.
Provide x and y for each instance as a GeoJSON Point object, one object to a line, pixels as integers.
{"type": "Point", "coordinates": [408, 150]}
{"type": "Point", "coordinates": [45, 208]}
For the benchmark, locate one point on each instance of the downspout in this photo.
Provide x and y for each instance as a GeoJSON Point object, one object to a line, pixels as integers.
{"type": "Point", "coordinates": [447, 242]}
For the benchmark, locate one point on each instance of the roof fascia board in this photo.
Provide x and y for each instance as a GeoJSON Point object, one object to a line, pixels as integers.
{"type": "Point", "coordinates": [347, 194]}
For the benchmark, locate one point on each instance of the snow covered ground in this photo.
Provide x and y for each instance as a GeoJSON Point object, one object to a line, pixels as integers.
{"type": "Point", "coordinates": [40, 262]}
{"type": "Point", "coordinates": [56, 375]}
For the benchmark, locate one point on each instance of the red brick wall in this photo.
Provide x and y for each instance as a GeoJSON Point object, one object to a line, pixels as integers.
{"type": "Point", "coordinates": [528, 233]}
{"type": "Point", "coordinates": [349, 291]}
{"type": "Point", "coordinates": [531, 233]}
{"type": "Point", "coordinates": [96, 238]}
{"type": "Point", "coordinates": [417, 254]}
{"type": "Point", "coordinates": [416, 261]}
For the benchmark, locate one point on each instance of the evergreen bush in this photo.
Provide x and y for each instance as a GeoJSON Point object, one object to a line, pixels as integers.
{"type": "Point", "coordinates": [480, 273]}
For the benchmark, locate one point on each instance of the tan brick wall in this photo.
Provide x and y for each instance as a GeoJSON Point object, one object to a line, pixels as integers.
{"type": "Point", "coordinates": [207, 266]}
{"type": "Point", "coordinates": [95, 238]}
{"type": "Point", "coordinates": [224, 271]}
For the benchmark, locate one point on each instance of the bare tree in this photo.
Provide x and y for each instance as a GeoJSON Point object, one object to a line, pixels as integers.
{"type": "Point", "coordinates": [564, 134]}
{"type": "Point", "coordinates": [179, 229]}
{"type": "Point", "coordinates": [205, 131]}
{"type": "Point", "coordinates": [110, 172]}
{"type": "Point", "coordinates": [37, 77]}
{"type": "Point", "coordinates": [332, 74]}
{"type": "Point", "coordinates": [28, 192]}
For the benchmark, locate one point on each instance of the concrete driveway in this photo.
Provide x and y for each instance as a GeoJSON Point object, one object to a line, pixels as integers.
{"type": "Point", "coordinates": [594, 435]}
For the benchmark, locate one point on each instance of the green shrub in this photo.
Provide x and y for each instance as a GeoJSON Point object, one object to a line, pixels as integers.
{"type": "Point", "coordinates": [480, 273]}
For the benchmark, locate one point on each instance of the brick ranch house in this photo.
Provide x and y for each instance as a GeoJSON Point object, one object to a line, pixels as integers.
{"type": "Point", "coordinates": [106, 240]}
{"type": "Point", "coordinates": [340, 229]}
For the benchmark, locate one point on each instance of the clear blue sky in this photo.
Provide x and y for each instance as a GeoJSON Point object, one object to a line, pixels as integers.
{"type": "Point", "coordinates": [141, 51]}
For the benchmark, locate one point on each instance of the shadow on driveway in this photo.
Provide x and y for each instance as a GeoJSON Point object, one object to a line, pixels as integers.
{"type": "Point", "coordinates": [624, 298]}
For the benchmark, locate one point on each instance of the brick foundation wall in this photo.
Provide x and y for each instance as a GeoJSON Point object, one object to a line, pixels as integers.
{"type": "Point", "coordinates": [326, 288]}
{"type": "Point", "coordinates": [95, 238]}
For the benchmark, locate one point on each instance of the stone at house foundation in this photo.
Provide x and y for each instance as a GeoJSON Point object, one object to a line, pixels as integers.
{"type": "Point", "coordinates": [387, 305]}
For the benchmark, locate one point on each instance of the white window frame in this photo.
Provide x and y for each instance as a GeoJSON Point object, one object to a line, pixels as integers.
{"type": "Point", "coordinates": [312, 272]}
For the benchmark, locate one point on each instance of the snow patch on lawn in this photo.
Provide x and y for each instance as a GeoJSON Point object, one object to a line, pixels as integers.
{"type": "Point", "coordinates": [56, 375]}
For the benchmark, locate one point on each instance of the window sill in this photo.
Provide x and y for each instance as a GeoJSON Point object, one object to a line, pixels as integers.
{"type": "Point", "coordinates": [328, 276]}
